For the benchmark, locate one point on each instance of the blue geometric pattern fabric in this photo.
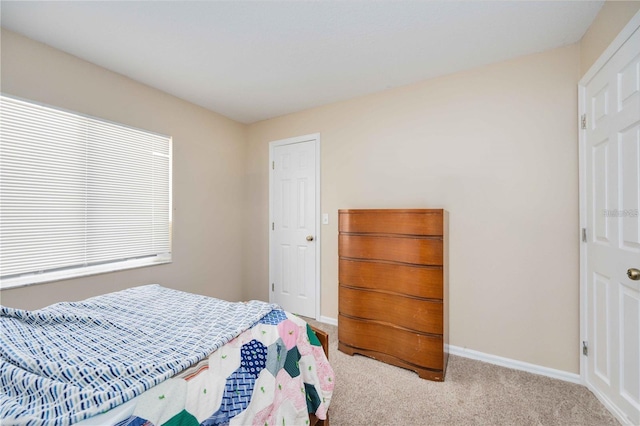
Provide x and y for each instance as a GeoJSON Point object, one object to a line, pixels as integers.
{"type": "Point", "coordinates": [254, 357]}
{"type": "Point", "coordinates": [274, 317]}
{"type": "Point", "coordinates": [70, 361]}
{"type": "Point", "coordinates": [236, 397]}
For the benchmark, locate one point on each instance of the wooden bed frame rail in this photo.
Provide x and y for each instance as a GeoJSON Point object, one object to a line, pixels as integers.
{"type": "Point", "coordinates": [324, 341]}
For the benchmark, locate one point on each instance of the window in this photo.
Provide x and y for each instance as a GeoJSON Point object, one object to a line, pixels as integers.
{"type": "Point", "coordinates": [79, 195]}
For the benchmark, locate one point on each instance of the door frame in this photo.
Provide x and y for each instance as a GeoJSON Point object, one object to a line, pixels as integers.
{"type": "Point", "coordinates": [615, 45]}
{"type": "Point", "coordinates": [313, 137]}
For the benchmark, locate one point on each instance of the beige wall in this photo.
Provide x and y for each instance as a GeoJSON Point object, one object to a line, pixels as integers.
{"type": "Point", "coordinates": [613, 16]}
{"type": "Point", "coordinates": [209, 154]}
{"type": "Point", "coordinates": [497, 147]}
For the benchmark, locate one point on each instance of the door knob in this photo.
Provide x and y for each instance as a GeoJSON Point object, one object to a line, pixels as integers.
{"type": "Point", "coordinates": [633, 274]}
{"type": "Point", "coordinates": [309, 237]}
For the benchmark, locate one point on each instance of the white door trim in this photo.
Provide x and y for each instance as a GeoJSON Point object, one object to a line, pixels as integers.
{"type": "Point", "coordinates": [615, 45]}
{"type": "Point", "coordinates": [315, 137]}
{"type": "Point", "coordinates": [623, 36]}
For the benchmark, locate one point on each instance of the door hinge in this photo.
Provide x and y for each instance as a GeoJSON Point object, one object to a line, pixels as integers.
{"type": "Point", "coordinates": [584, 235]}
{"type": "Point", "coordinates": [585, 348]}
{"type": "Point", "coordinates": [273, 165]}
{"type": "Point", "coordinates": [583, 121]}
{"type": "Point", "coordinates": [273, 226]}
{"type": "Point", "coordinates": [273, 287]}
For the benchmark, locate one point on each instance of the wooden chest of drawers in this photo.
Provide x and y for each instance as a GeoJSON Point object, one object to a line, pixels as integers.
{"type": "Point", "coordinates": [393, 287]}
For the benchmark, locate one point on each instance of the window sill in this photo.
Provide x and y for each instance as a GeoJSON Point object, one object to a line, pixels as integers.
{"type": "Point", "coordinates": [26, 280]}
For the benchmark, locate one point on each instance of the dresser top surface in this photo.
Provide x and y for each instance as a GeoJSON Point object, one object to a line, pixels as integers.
{"type": "Point", "coordinates": [423, 211]}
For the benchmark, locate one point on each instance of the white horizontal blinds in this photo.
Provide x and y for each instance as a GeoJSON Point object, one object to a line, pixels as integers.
{"type": "Point", "coordinates": [76, 191]}
{"type": "Point", "coordinates": [161, 201]}
{"type": "Point", "coordinates": [42, 190]}
{"type": "Point", "coordinates": [124, 190]}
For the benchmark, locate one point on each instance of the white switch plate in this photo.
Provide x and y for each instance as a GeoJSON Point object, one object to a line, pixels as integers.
{"type": "Point", "coordinates": [325, 218]}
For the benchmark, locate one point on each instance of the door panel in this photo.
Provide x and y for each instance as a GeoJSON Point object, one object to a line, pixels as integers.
{"type": "Point", "coordinates": [601, 194]}
{"type": "Point", "coordinates": [629, 350]}
{"type": "Point", "coordinates": [601, 332]}
{"type": "Point", "coordinates": [293, 228]}
{"type": "Point", "coordinates": [629, 149]}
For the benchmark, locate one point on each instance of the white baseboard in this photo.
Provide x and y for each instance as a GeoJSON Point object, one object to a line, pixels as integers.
{"type": "Point", "coordinates": [328, 320]}
{"type": "Point", "coordinates": [498, 360]}
{"type": "Point", "coordinates": [516, 365]}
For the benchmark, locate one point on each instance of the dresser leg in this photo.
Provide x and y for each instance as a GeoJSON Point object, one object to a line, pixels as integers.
{"type": "Point", "coordinates": [346, 349]}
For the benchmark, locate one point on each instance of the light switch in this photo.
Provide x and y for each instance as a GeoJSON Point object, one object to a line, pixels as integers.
{"type": "Point", "coordinates": [325, 218]}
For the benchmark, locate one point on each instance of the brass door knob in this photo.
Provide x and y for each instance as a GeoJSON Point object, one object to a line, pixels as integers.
{"type": "Point", "coordinates": [309, 237]}
{"type": "Point", "coordinates": [633, 274]}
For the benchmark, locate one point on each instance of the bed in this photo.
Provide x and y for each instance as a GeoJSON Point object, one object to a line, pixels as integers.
{"type": "Point", "coordinates": [150, 355]}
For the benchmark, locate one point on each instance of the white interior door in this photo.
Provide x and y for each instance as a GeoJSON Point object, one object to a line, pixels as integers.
{"type": "Point", "coordinates": [294, 242]}
{"type": "Point", "coordinates": [612, 189]}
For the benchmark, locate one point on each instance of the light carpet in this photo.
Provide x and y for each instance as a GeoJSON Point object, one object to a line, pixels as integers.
{"type": "Point", "coordinates": [370, 392]}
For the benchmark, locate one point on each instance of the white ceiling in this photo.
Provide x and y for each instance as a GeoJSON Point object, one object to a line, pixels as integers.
{"type": "Point", "coordinates": [253, 60]}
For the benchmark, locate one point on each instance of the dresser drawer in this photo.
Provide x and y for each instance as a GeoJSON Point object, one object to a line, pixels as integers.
{"type": "Point", "coordinates": [406, 222]}
{"type": "Point", "coordinates": [419, 281]}
{"type": "Point", "coordinates": [420, 251]}
{"type": "Point", "coordinates": [408, 312]}
{"type": "Point", "coordinates": [417, 349]}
